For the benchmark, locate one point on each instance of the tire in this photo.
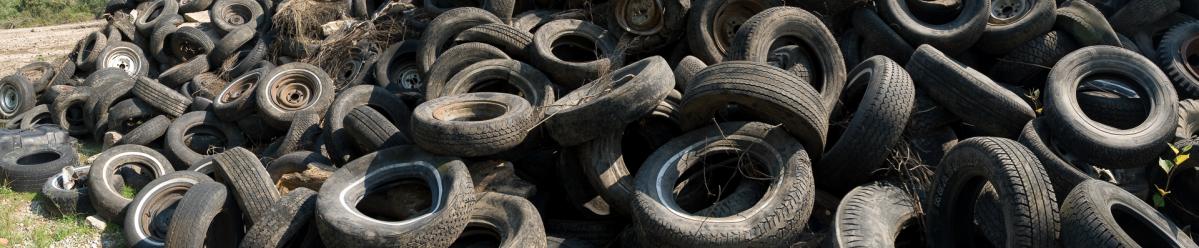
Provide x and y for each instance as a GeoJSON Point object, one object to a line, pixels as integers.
{"type": "Point", "coordinates": [397, 71]}
{"type": "Point", "coordinates": [87, 51]}
{"type": "Point", "coordinates": [155, 14]}
{"type": "Point", "coordinates": [242, 61]}
{"type": "Point", "coordinates": [66, 192]}
{"type": "Point", "coordinates": [758, 36]}
{"type": "Point", "coordinates": [1029, 63]}
{"type": "Point", "coordinates": [1137, 14]}
{"type": "Point", "coordinates": [1113, 109]}
{"type": "Point", "coordinates": [286, 223]}
{"type": "Point", "coordinates": [147, 132]}
{"type": "Point", "coordinates": [341, 143]}
{"type": "Point", "coordinates": [512, 41]}
{"type": "Point", "coordinates": [27, 169]}
{"type": "Point", "coordinates": [954, 36]}
{"type": "Point", "coordinates": [188, 42]}
{"type": "Point", "coordinates": [608, 104]}
{"type": "Point", "coordinates": [1188, 119]}
{"type": "Point", "coordinates": [68, 110]}
{"type": "Point", "coordinates": [1172, 53]}
{"type": "Point", "coordinates": [520, 78]}
{"type": "Point", "coordinates": [1021, 185]}
{"type": "Point", "coordinates": [189, 6]}
{"type": "Point", "coordinates": [38, 115]}
{"type": "Point", "coordinates": [126, 115]}
{"type": "Point", "coordinates": [1105, 145]}
{"type": "Point", "coordinates": [315, 92]}
{"type": "Point", "coordinates": [787, 203]}
{"type": "Point", "coordinates": [651, 26]}
{"type": "Point", "coordinates": [446, 177]}
{"type": "Point", "coordinates": [16, 96]}
{"type": "Point", "coordinates": [512, 219]}
{"type": "Point", "coordinates": [229, 44]}
{"type": "Point", "coordinates": [878, 99]}
{"type": "Point", "coordinates": [53, 92]}
{"type": "Point", "coordinates": [1085, 24]}
{"type": "Point", "coordinates": [877, 34]}
{"type": "Point", "coordinates": [66, 73]}
{"type": "Point", "coordinates": [142, 226]}
{"type": "Point", "coordinates": [297, 162]}
{"type": "Point", "coordinates": [575, 72]}
{"type": "Point", "coordinates": [355, 68]}
{"type": "Point", "coordinates": [372, 131]}
{"type": "Point", "coordinates": [1063, 174]}
{"type": "Point", "coordinates": [777, 96]}
{"type": "Point", "coordinates": [711, 39]}
{"type": "Point", "coordinates": [530, 20]}
{"type": "Point", "coordinates": [180, 133]}
{"type": "Point", "coordinates": [229, 15]}
{"type": "Point", "coordinates": [454, 60]}
{"type": "Point", "coordinates": [108, 94]}
{"type": "Point", "coordinates": [161, 97]}
{"type": "Point", "coordinates": [181, 74]}
{"type": "Point", "coordinates": [158, 40]}
{"type": "Point", "coordinates": [40, 74]}
{"type": "Point", "coordinates": [685, 72]}
{"type": "Point", "coordinates": [495, 123]}
{"type": "Point", "coordinates": [444, 28]}
{"type": "Point", "coordinates": [961, 90]}
{"type": "Point", "coordinates": [1007, 30]}
{"type": "Point", "coordinates": [1099, 214]}
{"type": "Point", "coordinates": [237, 100]}
{"type": "Point", "coordinates": [109, 204]}
{"type": "Point", "coordinates": [872, 215]}
{"type": "Point", "coordinates": [251, 183]}
{"type": "Point", "coordinates": [304, 131]}
{"type": "Point", "coordinates": [201, 215]}
{"type": "Point", "coordinates": [501, 8]}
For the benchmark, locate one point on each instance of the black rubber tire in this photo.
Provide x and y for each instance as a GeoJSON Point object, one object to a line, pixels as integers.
{"type": "Point", "coordinates": [442, 30]}
{"type": "Point", "coordinates": [287, 222]}
{"type": "Point", "coordinates": [764, 31]}
{"type": "Point", "coordinates": [609, 104]}
{"type": "Point", "coordinates": [1024, 190]}
{"type": "Point", "coordinates": [522, 78]}
{"type": "Point", "coordinates": [147, 132]}
{"type": "Point", "coordinates": [1100, 214]}
{"type": "Point", "coordinates": [317, 92]}
{"type": "Point", "coordinates": [304, 131]}
{"type": "Point", "coordinates": [1091, 142]}
{"type": "Point", "coordinates": [397, 71]}
{"type": "Point", "coordinates": [229, 15]}
{"type": "Point", "coordinates": [188, 42]}
{"type": "Point", "coordinates": [53, 92]}
{"type": "Point", "coordinates": [22, 93]}
{"type": "Point", "coordinates": [512, 41]}
{"type": "Point", "coordinates": [87, 51]}
{"type": "Point", "coordinates": [189, 6]}
{"type": "Point", "coordinates": [40, 74]}
{"type": "Point", "coordinates": [66, 193]}
{"type": "Point", "coordinates": [573, 74]}
{"type": "Point", "coordinates": [157, 43]}
{"type": "Point", "coordinates": [1029, 63]}
{"type": "Point", "coordinates": [1188, 119]}
{"type": "Point", "coordinates": [501, 8]}
{"type": "Point", "coordinates": [162, 97]}
{"type": "Point", "coordinates": [1113, 109]}
{"type": "Point", "coordinates": [961, 90]}
{"type": "Point", "coordinates": [201, 216]}
{"type": "Point", "coordinates": [530, 20]}
{"type": "Point", "coordinates": [1137, 14]}
{"type": "Point", "coordinates": [27, 169]}
{"type": "Point", "coordinates": [649, 29]}
{"type": "Point", "coordinates": [884, 96]}
{"type": "Point", "coordinates": [1085, 24]}
{"type": "Point", "coordinates": [252, 185]}
{"type": "Point", "coordinates": [229, 44]}
{"type": "Point", "coordinates": [356, 67]}
{"type": "Point", "coordinates": [954, 36]}
{"type": "Point", "coordinates": [125, 115]}
{"type": "Point", "coordinates": [685, 72]}
{"type": "Point", "coordinates": [372, 131]}
{"type": "Point", "coordinates": [787, 203]}
{"type": "Point", "coordinates": [66, 73]}
{"type": "Point", "coordinates": [181, 74]}
{"type": "Point", "coordinates": [68, 110]}
{"type": "Point", "coordinates": [237, 100]}
{"type": "Point", "coordinates": [101, 101]}
{"type": "Point", "coordinates": [340, 142]}
{"type": "Point", "coordinates": [38, 115]}
{"type": "Point", "coordinates": [876, 34]}
{"type": "Point", "coordinates": [156, 13]}
{"type": "Point", "coordinates": [709, 39]}
{"type": "Point", "coordinates": [1172, 54]}
{"type": "Point", "coordinates": [1003, 35]}
{"type": "Point", "coordinates": [109, 203]}
{"type": "Point", "coordinates": [776, 97]}
{"type": "Point", "coordinates": [297, 162]}
{"type": "Point", "coordinates": [1063, 174]}
{"type": "Point", "coordinates": [178, 139]}
{"type": "Point", "coordinates": [514, 220]}
{"type": "Point", "coordinates": [143, 227]}
{"type": "Point", "coordinates": [872, 215]}
{"type": "Point", "coordinates": [446, 177]}
{"type": "Point", "coordinates": [246, 59]}
{"type": "Point", "coordinates": [450, 63]}
{"type": "Point", "coordinates": [472, 124]}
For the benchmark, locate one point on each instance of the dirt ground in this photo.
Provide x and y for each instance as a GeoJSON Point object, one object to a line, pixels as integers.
{"type": "Point", "coordinates": [19, 47]}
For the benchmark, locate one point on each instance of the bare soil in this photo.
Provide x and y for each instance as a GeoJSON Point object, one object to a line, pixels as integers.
{"type": "Point", "coordinates": [19, 47]}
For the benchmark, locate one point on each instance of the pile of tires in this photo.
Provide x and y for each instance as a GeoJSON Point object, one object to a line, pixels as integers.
{"type": "Point", "coordinates": [627, 123]}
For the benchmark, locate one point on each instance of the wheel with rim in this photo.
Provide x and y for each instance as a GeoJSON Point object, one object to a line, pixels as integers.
{"type": "Point", "coordinates": [1013, 22]}
{"type": "Point", "coordinates": [229, 15]}
{"type": "Point", "coordinates": [16, 96]}
{"type": "Point", "coordinates": [656, 23]}
{"type": "Point", "coordinates": [397, 71]}
{"type": "Point", "coordinates": [290, 88]}
{"type": "Point", "coordinates": [237, 99]}
{"type": "Point", "coordinates": [1176, 52]}
{"type": "Point", "coordinates": [151, 210]}
{"type": "Point", "coordinates": [712, 25]}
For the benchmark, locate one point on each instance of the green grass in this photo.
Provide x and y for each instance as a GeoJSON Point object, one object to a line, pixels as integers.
{"type": "Point", "coordinates": [33, 13]}
{"type": "Point", "coordinates": [29, 229]}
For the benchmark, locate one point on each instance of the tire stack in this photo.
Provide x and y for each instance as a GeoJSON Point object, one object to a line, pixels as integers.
{"type": "Point", "coordinates": [627, 123]}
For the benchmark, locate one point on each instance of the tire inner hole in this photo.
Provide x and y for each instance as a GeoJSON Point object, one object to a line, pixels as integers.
{"type": "Point", "coordinates": [207, 140]}
{"type": "Point", "coordinates": [1113, 100]}
{"type": "Point", "coordinates": [1143, 233]}
{"type": "Point", "coordinates": [130, 178]}
{"type": "Point", "coordinates": [575, 48]}
{"type": "Point", "coordinates": [469, 111]}
{"type": "Point", "coordinates": [478, 234]}
{"type": "Point", "coordinates": [715, 177]}
{"type": "Point", "coordinates": [38, 158]}
{"type": "Point", "coordinates": [397, 200]}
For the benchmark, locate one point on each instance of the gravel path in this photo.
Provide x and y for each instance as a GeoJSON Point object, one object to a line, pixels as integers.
{"type": "Point", "coordinates": [19, 47]}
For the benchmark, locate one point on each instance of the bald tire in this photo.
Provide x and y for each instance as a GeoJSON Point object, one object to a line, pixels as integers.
{"type": "Point", "coordinates": [288, 218]}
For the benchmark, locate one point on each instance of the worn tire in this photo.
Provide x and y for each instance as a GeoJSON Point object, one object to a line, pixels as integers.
{"type": "Point", "coordinates": [307, 86]}
{"type": "Point", "coordinates": [161, 97]}
{"type": "Point", "coordinates": [178, 136]}
{"type": "Point", "coordinates": [229, 15]}
{"type": "Point", "coordinates": [143, 226]}
{"type": "Point", "coordinates": [181, 74]}
{"type": "Point", "coordinates": [961, 90]}
{"type": "Point", "coordinates": [450, 63]}
{"type": "Point", "coordinates": [1062, 174]}
{"type": "Point", "coordinates": [237, 100]}
{"type": "Point", "coordinates": [155, 13]}
{"type": "Point", "coordinates": [1007, 31]}
{"type": "Point", "coordinates": [492, 123]}
{"type": "Point", "coordinates": [527, 81]}
{"type": "Point", "coordinates": [575, 72]}
{"type": "Point", "coordinates": [758, 36]}
{"type": "Point", "coordinates": [67, 193]}
{"type": "Point", "coordinates": [1100, 214]}
{"type": "Point", "coordinates": [512, 41]}
{"type": "Point", "coordinates": [511, 218]}
{"type": "Point", "coordinates": [372, 130]}
{"type": "Point", "coordinates": [685, 72]}
{"type": "Point", "coordinates": [68, 110]}
{"type": "Point", "coordinates": [87, 51]}
{"type": "Point", "coordinates": [1175, 47]}
{"type": "Point", "coordinates": [1029, 63]}
{"type": "Point", "coordinates": [872, 215]}
{"type": "Point", "coordinates": [709, 39]}
{"type": "Point", "coordinates": [444, 28]}
{"type": "Point", "coordinates": [147, 132]}
{"type": "Point", "coordinates": [608, 104]}
{"type": "Point", "coordinates": [397, 71]}
{"type": "Point", "coordinates": [201, 216]}
{"type": "Point", "coordinates": [954, 37]}
{"type": "Point", "coordinates": [18, 96]}
{"type": "Point", "coordinates": [1086, 24]}
{"type": "Point", "coordinates": [27, 169]}
{"type": "Point", "coordinates": [286, 222]}
{"type": "Point", "coordinates": [109, 203]}
{"type": "Point", "coordinates": [40, 74]}
{"type": "Point", "coordinates": [341, 143]}
{"type": "Point", "coordinates": [252, 185]}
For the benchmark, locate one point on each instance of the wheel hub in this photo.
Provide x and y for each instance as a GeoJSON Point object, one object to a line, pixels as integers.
{"type": "Point", "coordinates": [643, 17]}
{"type": "Point", "coordinates": [8, 99]}
{"type": "Point", "coordinates": [1006, 11]}
{"type": "Point", "coordinates": [292, 94]}
{"type": "Point", "coordinates": [124, 59]}
{"type": "Point", "coordinates": [410, 78]}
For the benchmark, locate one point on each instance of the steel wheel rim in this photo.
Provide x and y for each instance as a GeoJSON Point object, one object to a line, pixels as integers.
{"type": "Point", "coordinates": [8, 99]}
{"type": "Point", "coordinates": [125, 59]}
{"type": "Point", "coordinates": [1008, 11]}
{"type": "Point", "coordinates": [642, 17]}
